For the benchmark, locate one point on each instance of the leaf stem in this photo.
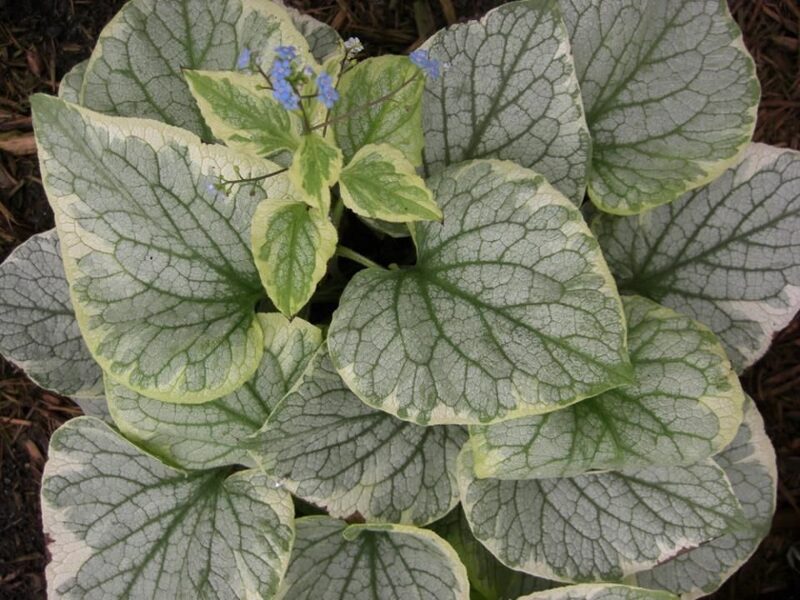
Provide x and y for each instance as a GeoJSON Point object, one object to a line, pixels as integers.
{"type": "Point", "coordinates": [345, 252]}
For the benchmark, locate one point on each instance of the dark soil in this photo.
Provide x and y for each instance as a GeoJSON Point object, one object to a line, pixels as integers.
{"type": "Point", "coordinates": [41, 39]}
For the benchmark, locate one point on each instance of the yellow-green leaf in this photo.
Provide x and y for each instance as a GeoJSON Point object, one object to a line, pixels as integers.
{"type": "Point", "coordinates": [315, 167]}
{"type": "Point", "coordinates": [384, 95]}
{"type": "Point", "coordinates": [381, 183]}
{"type": "Point", "coordinates": [292, 244]}
{"type": "Point", "coordinates": [244, 116]}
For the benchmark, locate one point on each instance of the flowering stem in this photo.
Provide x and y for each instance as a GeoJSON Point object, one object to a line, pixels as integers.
{"type": "Point", "coordinates": [364, 107]}
{"type": "Point", "coordinates": [345, 252]}
{"type": "Point", "coordinates": [306, 123]}
{"type": "Point", "coordinates": [265, 76]}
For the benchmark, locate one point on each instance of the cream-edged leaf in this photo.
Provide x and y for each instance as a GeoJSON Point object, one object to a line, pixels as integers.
{"type": "Point", "coordinates": [727, 254]}
{"type": "Point", "coordinates": [135, 70]}
{"type": "Point", "coordinates": [384, 96]}
{"type": "Point", "coordinates": [508, 90]}
{"type": "Point", "coordinates": [749, 463]}
{"type": "Point", "coordinates": [685, 404]}
{"type": "Point", "coordinates": [292, 244]}
{"type": "Point", "coordinates": [334, 561]}
{"type": "Point", "coordinates": [125, 525]}
{"type": "Point", "coordinates": [600, 591]}
{"type": "Point", "coordinates": [316, 165]}
{"type": "Point", "coordinates": [38, 330]}
{"type": "Point", "coordinates": [244, 115]}
{"type": "Point", "coordinates": [670, 94]}
{"type": "Point", "coordinates": [214, 434]}
{"type": "Point", "coordinates": [598, 527]}
{"type": "Point", "coordinates": [380, 183]}
{"type": "Point", "coordinates": [509, 311]}
{"type": "Point", "coordinates": [331, 449]}
{"type": "Point", "coordinates": [159, 263]}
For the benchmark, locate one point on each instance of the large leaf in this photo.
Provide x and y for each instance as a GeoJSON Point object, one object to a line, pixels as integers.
{"type": "Point", "coordinates": [135, 70]}
{"type": "Point", "coordinates": [240, 112]}
{"type": "Point", "coordinates": [727, 255]}
{"type": "Point", "coordinates": [202, 436]}
{"type": "Point", "coordinates": [749, 463]}
{"type": "Point", "coordinates": [332, 560]}
{"type": "Point", "coordinates": [508, 90]}
{"type": "Point", "coordinates": [329, 448]}
{"type": "Point", "coordinates": [160, 269]}
{"type": "Point", "coordinates": [124, 525]}
{"type": "Point", "coordinates": [509, 311]}
{"type": "Point", "coordinates": [38, 331]}
{"type": "Point", "coordinates": [685, 405]}
{"type": "Point", "coordinates": [600, 591]}
{"type": "Point", "coordinates": [292, 244]}
{"type": "Point", "coordinates": [670, 94]}
{"type": "Point", "coordinates": [380, 104]}
{"type": "Point", "coordinates": [380, 183]}
{"type": "Point", "coordinates": [489, 579]}
{"type": "Point", "coordinates": [315, 168]}
{"type": "Point", "coordinates": [598, 526]}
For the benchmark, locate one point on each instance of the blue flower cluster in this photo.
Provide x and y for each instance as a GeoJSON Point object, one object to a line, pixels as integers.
{"type": "Point", "coordinates": [327, 94]}
{"type": "Point", "coordinates": [282, 90]}
{"type": "Point", "coordinates": [430, 65]}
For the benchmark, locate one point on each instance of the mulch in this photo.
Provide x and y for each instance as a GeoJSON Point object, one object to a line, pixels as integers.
{"type": "Point", "coordinates": [41, 39]}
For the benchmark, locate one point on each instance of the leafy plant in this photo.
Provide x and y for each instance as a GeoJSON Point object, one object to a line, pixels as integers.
{"type": "Point", "coordinates": [288, 282]}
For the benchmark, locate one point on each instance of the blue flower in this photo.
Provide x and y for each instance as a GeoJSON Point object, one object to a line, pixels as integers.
{"type": "Point", "coordinates": [286, 52]}
{"type": "Point", "coordinates": [281, 69]}
{"type": "Point", "coordinates": [244, 59]}
{"type": "Point", "coordinates": [423, 61]}
{"type": "Point", "coordinates": [327, 93]}
{"type": "Point", "coordinates": [284, 94]}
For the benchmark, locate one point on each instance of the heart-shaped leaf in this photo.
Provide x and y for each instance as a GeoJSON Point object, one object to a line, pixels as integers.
{"type": "Point", "coordinates": [749, 463]}
{"type": "Point", "coordinates": [509, 311]}
{"type": "Point", "coordinates": [670, 95]}
{"type": "Point", "coordinates": [727, 254]}
{"type": "Point", "coordinates": [508, 90]}
{"type": "Point", "coordinates": [125, 525]}
{"type": "Point", "coordinates": [685, 404]}
{"type": "Point", "coordinates": [601, 526]}
{"type": "Point", "coordinates": [38, 330]}
{"type": "Point", "coordinates": [213, 434]}
{"type": "Point", "coordinates": [159, 263]}
{"type": "Point", "coordinates": [329, 448]}
{"type": "Point", "coordinates": [335, 561]}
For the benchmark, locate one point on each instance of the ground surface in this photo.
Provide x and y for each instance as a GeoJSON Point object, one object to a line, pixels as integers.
{"type": "Point", "coordinates": [41, 39]}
